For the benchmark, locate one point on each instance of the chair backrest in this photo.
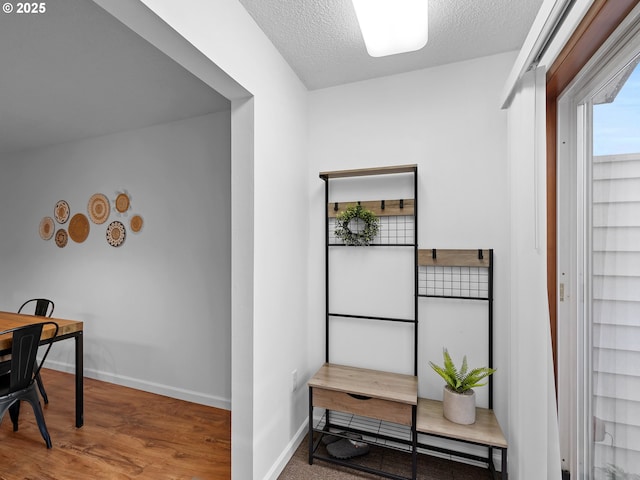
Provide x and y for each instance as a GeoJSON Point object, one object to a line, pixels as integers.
{"type": "Point", "coordinates": [24, 348]}
{"type": "Point", "coordinates": [43, 306]}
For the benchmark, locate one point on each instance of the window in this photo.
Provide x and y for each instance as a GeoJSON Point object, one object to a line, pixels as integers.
{"type": "Point", "coordinates": [599, 264]}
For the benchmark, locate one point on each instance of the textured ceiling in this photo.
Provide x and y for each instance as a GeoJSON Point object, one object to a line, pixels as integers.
{"type": "Point", "coordinates": [321, 40]}
{"type": "Point", "coordinates": [76, 72]}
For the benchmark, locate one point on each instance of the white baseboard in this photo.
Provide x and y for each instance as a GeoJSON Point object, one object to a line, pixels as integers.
{"type": "Point", "coordinates": [278, 466]}
{"type": "Point", "coordinates": [152, 387]}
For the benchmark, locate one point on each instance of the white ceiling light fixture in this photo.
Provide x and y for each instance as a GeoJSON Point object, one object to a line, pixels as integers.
{"type": "Point", "coordinates": [393, 26]}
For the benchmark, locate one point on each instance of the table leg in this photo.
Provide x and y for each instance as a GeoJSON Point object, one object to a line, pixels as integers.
{"type": "Point", "coordinates": [310, 440]}
{"type": "Point", "coordinates": [504, 464]}
{"type": "Point", "coordinates": [79, 380]}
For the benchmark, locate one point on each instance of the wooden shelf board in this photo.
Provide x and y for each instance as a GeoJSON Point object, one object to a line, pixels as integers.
{"type": "Point", "coordinates": [486, 430]}
{"type": "Point", "coordinates": [453, 258]}
{"type": "Point", "coordinates": [391, 207]}
{"type": "Point", "coordinates": [394, 387]}
{"type": "Point", "coordinates": [363, 172]}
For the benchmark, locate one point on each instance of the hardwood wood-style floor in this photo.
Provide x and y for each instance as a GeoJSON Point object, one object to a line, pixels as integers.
{"type": "Point", "coordinates": [127, 434]}
{"type": "Point", "coordinates": [130, 434]}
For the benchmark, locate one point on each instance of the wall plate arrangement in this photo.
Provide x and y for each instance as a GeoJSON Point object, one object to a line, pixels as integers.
{"type": "Point", "coordinates": [61, 238]}
{"type": "Point", "coordinates": [116, 233]}
{"type": "Point", "coordinates": [47, 228]}
{"type": "Point", "coordinates": [99, 209]}
{"type": "Point", "coordinates": [61, 211]}
{"type": "Point", "coordinates": [136, 223]}
{"type": "Point", "coordinates": [122, 202]}
{"type": "Point", "coordinates": [79, 228]}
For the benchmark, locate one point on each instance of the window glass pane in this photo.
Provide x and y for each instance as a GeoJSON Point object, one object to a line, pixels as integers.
{"type": "Point", "coordinates": [614, 310]}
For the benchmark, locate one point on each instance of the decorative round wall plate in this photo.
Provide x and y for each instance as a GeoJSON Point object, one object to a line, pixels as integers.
{"type": "Point", "coordinates": [62, 211]}
{"type": "Point", "coordinates": [61, 237]}
{"type": "Point", "coordinates": [122, 202]}
{"type": "Point", "coordinates": [79, 228]}
{"type": "Point", "coordinates": [116, 234]}
{"type": "Point", "coordinates": [47, 227]}
{"type": "Point", "coordinates": [136, 223]}
{"type": "Point", "coordinates": [98, 208]}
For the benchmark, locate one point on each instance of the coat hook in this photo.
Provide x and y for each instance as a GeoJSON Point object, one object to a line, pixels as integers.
{"type": "Point", "coordinates": [480, 255]}
{"type": "Point", "coordinates": [401, 203]}
{"type": "Point", "coordinates": [335, 207]}
{"type": "Point", "coordinates": [433, 253]}
{"type": "Point", "coordinates": [381, 204]}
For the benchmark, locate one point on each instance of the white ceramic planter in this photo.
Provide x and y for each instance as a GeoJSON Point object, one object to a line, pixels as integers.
{"type": "Point", "coordinates": [459, 407]}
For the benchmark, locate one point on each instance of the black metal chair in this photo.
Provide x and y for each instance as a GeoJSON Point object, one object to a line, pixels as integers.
{"type": "Point", "coordinates": [43, 308]}
{"type": "Point", "coordinates": [19, 383]}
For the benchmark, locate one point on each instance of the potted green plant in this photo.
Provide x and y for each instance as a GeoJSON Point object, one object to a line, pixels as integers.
{"type": "Point", "coordinates": [459, 399]}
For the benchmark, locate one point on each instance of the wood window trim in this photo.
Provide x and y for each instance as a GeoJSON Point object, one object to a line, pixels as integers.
{"type": "Point", "coordinates": [598, 24]}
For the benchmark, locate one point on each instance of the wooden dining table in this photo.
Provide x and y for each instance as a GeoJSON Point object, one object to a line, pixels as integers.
{"type": "Point", "coordinates": [67, 329]}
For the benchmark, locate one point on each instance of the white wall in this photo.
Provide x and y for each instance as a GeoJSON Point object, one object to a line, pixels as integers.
{"type": "Point", "coordinates": [445, 119]}
{"type": "Point", "coordinates": [448, 121]}
{"type": "Point", "coordinates": [269, 189]}
{"type": "Point", "coordinates": [156, 310]}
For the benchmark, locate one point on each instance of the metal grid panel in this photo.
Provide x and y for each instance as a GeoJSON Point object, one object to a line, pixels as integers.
{"type": "Point", "coordinates": [459, 282]}
{"type": "Point", "coordinates": [393, 230]}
